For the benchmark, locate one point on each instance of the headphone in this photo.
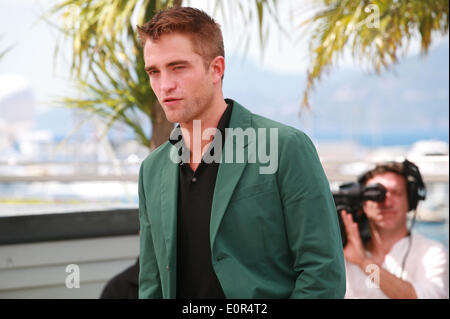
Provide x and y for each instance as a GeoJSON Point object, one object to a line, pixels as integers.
{"type": "Point", "coordinates": [415, 186]}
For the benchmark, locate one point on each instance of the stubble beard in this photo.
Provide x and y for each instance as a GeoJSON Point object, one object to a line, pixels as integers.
{"type": "Point", "coordinates": [196, 109]}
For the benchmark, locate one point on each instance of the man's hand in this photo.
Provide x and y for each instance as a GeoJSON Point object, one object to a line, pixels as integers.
{"type": "Point", "coordinates": [354, 249]}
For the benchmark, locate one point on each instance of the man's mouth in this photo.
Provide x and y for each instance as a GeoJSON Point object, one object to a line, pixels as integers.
{"type": "Point", "coordinates": [388, 212]}
{"type": "Point", "coordinates": [171, 100]}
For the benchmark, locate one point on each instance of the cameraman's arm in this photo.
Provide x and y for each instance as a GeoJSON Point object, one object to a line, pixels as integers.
{"type": "Point", "coordinates": [392, 286]}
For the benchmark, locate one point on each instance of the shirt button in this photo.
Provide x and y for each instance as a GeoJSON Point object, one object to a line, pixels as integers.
{"type": "Point", "coordinates": [194, 179]}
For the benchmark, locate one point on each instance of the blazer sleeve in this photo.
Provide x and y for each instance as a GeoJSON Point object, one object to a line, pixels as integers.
{"type": "Point", "coordinates": [149, 278]}
{"type": "Point", "coordinates": [311, 221]}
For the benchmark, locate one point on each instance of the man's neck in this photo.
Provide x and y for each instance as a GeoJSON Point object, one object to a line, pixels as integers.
{"type": "Point", "coordinates": [382, 241]}
{"type": "Point", "coordinates": [200, 130]}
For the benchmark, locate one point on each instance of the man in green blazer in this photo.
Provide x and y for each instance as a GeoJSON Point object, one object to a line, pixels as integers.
{"type": "Point", "coordinates": [234, 205]}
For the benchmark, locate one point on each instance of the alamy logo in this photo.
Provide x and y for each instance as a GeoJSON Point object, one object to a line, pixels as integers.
{"type": "Point", "coordinates": [249, 145]}
{"type": "Point", "coordinates": [372, 20]}
{"type": "Point", "coordinates": [373, 278]}
{"type": "Point", "coordinates": [73, 278]}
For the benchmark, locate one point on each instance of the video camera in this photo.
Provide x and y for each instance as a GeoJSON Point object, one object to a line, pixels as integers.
{"type": "Point", "coordinates": [350, 197]}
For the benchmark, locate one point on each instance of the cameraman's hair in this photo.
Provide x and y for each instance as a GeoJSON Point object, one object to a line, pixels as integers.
{"type": "Point", "coordinates": [204, 32]}
{"type": "Point", "coordinates": [391, 167]}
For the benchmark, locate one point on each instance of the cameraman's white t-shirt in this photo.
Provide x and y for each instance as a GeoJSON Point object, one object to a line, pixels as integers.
{"type": "Point", "coordinates": [426, 268]}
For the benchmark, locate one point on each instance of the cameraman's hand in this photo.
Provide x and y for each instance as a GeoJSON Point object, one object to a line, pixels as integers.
{"type": "Point", "coordinates": [354, 249]}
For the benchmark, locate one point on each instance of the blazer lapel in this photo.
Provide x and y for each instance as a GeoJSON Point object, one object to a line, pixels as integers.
{"type": "Point", "coordinates": [228, 174]}
{"type": "Point", "coordinates": [169, 205]}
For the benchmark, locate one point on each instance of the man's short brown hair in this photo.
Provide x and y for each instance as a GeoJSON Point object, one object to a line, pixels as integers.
{"type": "Point", "coordinates": [205, 33]}
{"type": "Point", "coordinates": [389, 167]}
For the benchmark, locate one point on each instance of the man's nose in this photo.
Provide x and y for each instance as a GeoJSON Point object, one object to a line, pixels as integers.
{"type": "Point", "coordinates": [388, 197]}
{"type": "Point", "coordinates": [168, 84]}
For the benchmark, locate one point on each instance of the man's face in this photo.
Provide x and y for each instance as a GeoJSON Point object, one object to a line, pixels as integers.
{"type": "Point", "coordinates": [391, 213]}
{"type": "Point", "coordinates": [182, 84]}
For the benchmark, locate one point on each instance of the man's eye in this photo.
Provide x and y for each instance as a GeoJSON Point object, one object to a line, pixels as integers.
{"type": "Point", "coordinates": [150, 73]}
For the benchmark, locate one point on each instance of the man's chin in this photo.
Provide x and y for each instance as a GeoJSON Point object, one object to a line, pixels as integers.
{"type": "Point", "coordinates": [177, 118]}
{"type": "Point", "coordinates": [173, 118]}
{"type": "Point", "coordinates": [387, 224]}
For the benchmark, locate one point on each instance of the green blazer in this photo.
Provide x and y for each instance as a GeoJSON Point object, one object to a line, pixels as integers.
{"type": "Point", "coordinates": [271, 235]}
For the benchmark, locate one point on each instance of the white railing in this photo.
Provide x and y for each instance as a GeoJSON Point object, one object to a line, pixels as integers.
{"type": "Point", "coordinates": [337, 170]}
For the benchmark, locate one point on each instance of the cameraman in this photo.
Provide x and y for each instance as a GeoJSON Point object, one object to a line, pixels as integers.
{"type": "Point", "coordinates": [393, 263]}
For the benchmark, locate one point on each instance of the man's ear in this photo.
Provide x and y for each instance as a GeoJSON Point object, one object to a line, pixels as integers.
{"type": "Point", "coordinates": [217, 67]}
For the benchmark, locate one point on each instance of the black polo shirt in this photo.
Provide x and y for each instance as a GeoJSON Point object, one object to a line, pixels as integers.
{"type": "Point", "coordinates": [195, 274]}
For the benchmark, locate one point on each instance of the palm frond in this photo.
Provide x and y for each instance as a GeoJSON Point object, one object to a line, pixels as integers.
{"type": "Point", "coordinates": [344, 25]}
{"type": "Point", "coordinates": [107, 63]}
